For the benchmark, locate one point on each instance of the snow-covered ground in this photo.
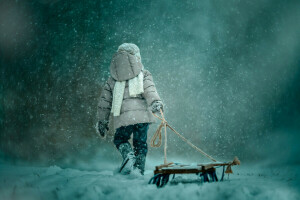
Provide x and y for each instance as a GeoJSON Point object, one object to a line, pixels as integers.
{"type": "Point", "coordinates": [247, 182]}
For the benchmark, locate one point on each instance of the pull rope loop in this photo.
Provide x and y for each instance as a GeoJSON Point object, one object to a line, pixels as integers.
{"type": "Point", "coordinates": [157, 134]}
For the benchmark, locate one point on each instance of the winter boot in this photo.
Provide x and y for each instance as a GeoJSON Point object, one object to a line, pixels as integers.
{"type": "Point", "coordinates": [140, 163]}
{"type": "Point", "coordinates": [128, 158]}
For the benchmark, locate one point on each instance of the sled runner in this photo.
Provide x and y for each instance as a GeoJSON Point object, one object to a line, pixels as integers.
{"type": "Point", "coordinates": [206, 171]}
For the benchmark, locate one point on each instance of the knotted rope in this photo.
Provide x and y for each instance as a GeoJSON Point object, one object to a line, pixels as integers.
{"type": "Point", "coordinates": [165, 124]}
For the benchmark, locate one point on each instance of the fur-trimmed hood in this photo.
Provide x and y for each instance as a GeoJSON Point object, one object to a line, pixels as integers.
{"type": "Point", "coordinates": [126, 63]}
{"type": "Point", "coordinates": [130, 48]}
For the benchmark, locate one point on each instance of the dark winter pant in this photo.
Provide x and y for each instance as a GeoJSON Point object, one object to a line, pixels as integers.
{"type": "Point", "coordinates": [139, 132]}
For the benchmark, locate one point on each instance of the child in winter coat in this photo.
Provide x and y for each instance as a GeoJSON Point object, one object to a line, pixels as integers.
{"type": "Point", "coordinates": [130, 95]}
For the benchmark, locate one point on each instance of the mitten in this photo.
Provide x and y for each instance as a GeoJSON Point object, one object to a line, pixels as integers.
{"type": "Point", "coordinates": [156, 106]}
{"type": "Point", "coordinates": [102, 128]}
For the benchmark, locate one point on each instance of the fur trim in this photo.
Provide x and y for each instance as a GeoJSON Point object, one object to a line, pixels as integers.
{"type": "Point", "coordinates": [130, 48]}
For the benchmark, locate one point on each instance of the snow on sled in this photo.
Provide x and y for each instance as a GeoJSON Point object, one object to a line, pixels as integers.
{"type": "Point", "coordinates": [206, 171]}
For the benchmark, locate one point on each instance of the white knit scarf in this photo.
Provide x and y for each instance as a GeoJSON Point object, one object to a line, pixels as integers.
{"type": "Point", "coordinates": [135, 86]}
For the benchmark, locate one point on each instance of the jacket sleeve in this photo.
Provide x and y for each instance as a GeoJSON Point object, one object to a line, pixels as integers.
{"type": "Point", "coordinates": [150, 92]}
{"type": "Point", "coordinates": [105, 102]}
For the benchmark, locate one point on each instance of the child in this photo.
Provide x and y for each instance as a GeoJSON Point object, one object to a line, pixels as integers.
{"type": "Point", "coordinates": [130, 95]}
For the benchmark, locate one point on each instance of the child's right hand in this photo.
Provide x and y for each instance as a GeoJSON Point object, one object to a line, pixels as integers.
{"type": "Point", "coordinates": [102, 128]}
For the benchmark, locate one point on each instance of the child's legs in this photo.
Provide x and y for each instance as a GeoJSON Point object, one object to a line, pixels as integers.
{"type": "Point", "coordinates": [140, 138]}
{"type": "Point", "coordinates": [121, 138]}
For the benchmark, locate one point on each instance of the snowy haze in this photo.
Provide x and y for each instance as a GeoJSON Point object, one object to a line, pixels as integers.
{"type": "Point", "coordinates": [227, 71]}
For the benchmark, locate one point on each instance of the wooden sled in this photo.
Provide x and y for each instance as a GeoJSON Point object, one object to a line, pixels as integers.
{"type": "Point", "coordinates": [207, 171]}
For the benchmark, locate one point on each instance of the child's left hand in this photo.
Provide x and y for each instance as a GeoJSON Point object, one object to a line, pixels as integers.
{"type": "Point", "coordinates": [156, 106]}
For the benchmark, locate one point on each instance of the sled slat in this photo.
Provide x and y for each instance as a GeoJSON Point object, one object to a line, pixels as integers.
{"type": "Point", "coordinates": [183, 170]}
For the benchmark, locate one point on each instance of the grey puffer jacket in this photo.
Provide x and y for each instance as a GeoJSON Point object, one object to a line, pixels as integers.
{"type": "Point", "coordinates": [134, 110]}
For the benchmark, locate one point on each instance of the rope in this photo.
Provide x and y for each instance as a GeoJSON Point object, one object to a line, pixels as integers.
{"type": "Point", "coordinates": [165, 124]}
